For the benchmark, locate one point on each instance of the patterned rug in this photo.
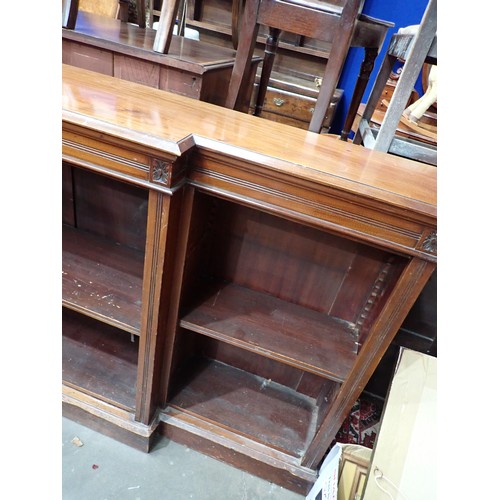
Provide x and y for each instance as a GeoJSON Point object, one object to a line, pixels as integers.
{"type": "Point", "coordinates": [362, 424]}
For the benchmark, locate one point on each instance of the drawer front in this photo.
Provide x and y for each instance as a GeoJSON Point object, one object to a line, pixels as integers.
{"type": "Point", "coordinates": [87, 57]}
{"type": "Point", "coordinates": [292, 108]}
{"type": "Point", "coordinates": [180, 82]}
{"type": "Point", "coordinates": [136, 70]}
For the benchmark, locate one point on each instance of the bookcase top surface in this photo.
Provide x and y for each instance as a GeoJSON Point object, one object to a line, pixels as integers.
{"type": "Point", "coordinates": [173, 123]}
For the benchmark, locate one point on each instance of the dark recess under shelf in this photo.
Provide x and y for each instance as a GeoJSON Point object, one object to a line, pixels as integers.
{"type": "Point", "coordinates": [99, 360]}
{"type": "Point", "coordinates": [248, 405]}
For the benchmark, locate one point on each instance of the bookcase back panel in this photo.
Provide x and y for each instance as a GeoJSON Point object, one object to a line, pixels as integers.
{"type": "Point", "coordinates": [109, 208]}
{"type": "Point", "coordinates": [306, 383]}
{"type": "Point", "coordinates": [319, 389]}
{"type": "Point", "coordinates": [290, 261]}
{"type": "Point", "coordinates": [68, 212]}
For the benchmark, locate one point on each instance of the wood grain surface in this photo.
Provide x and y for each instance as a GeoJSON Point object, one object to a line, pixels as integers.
{"type": "Point", "coordinates": [165, 121]}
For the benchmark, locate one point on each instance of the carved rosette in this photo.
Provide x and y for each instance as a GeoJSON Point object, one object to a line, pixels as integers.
{"type": "Point", "coordinates": [161, 171]}
{"type": "Point", "coordinates": [429, 243]}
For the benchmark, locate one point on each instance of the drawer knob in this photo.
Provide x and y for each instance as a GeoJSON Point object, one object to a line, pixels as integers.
{"type": "Point", "coordinates": [318, 81]}
{"type": "Point", "coordinates": [278, 101]}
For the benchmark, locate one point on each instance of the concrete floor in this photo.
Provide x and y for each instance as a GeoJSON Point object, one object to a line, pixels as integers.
{"type": "Point", "coordinates": [105, 469]}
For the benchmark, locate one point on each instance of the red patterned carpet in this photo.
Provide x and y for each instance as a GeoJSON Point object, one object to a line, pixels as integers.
{"type": "Point", "coordinates": [362, 424]}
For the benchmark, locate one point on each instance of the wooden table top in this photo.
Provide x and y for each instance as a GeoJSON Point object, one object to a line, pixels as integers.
{"type": "Point", "coordinates": [173, 123]}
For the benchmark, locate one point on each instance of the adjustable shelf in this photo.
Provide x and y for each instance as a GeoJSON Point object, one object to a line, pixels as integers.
{"type": "Point", "coordinates": [277, 329]}
{"type": "Point", "coordinates": [102, 279]}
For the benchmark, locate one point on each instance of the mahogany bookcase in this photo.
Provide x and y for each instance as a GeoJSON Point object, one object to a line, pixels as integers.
{"type": "Point", "coordinates": [229, 282]}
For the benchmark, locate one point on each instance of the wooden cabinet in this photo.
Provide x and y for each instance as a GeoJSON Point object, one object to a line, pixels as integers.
{"type": "Point", "coordinates": [111, 47]}
{"type": "Point", "coordinates": [275, 273]}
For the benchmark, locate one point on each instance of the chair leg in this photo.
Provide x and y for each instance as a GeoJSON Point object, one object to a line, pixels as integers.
{"type": "Point", "coordinates": [168, 15]}
{"type": "Point", "coordinates": [123, 10]}
{"type": "Point", "coordinates": [181, 18]}
{"type": "Point", "coordinates": [267, 67]}
{"type": "Point", "coordinates": [340, 45]}
{"type": "Point", "coordinates": [69, 14]}
{"type": "Point", "coordinates": [326, 91]}
{"type": "Point", "coordinates": [361, 83]}
{"type": "Point", "coordinates": [237, 7]}
{"type": "Point", "coordinates": [141, 13]}
{"type": "Point", "coordinates": [376, 92]}
{"type": "Point", "coordinates": [242, 65]}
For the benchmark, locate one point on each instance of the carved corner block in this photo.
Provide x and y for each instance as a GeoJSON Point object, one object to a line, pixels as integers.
{"type": "Point", "coordinates": [428, 242]}
{"type": "Point", "coordinates": [161, 172]}
{"type": "Point", "coordinates": [167, 173]}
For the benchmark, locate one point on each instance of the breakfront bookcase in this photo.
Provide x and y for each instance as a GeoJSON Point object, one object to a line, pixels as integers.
{"type": "Point", "coordinates": [229, 282]}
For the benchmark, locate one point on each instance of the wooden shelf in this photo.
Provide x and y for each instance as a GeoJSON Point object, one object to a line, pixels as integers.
{"type": "Point", "coordinates": [102, 279]}
{"type": "Point", "coordinates": [277, 329]}
{"type": "Point", "coordinates": [98, 360]}
{"type": "Point", "coordinates": [248, 405]}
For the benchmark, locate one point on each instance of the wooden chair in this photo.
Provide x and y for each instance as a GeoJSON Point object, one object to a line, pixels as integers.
{"type": "Point", "coordinates": [415, 49]}
{"type": "Point", "coordinates": [316, 19]}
